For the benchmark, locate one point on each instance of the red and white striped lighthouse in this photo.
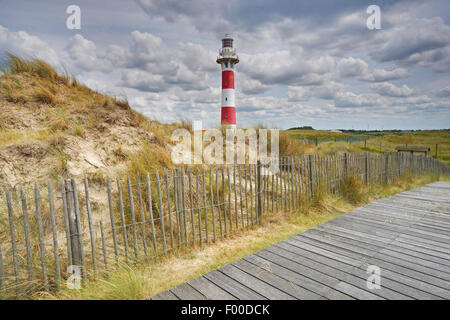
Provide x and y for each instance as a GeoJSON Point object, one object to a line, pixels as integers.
{"type": "Point", "coordinates": [228, 59]}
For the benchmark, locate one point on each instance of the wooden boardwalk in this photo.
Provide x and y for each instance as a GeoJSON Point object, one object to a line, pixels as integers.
{"type": "Point", "coordinates": [406, 235]}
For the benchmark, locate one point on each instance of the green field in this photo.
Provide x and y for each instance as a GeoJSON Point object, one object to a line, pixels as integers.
{"type": "Point", "coordinates": [334, 142]}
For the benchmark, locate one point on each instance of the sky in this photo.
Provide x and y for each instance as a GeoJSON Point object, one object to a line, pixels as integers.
{"type": "Point", "coordinates": [313, 63]}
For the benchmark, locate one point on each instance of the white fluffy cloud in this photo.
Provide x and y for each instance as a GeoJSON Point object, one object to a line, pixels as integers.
{"type": "Point", "coordinates": [390, 90]}
{"type": "Point", "coordinates": [22, 43]}
{"type": "Point", "coordinates": [351, 67]}
{"type": "Point", "coordinates": [86, 56]}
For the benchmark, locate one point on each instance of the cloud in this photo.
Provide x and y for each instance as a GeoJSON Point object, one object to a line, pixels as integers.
{"type": "Point", "coordinates": [443, 93]}
{"type": "Point", "coordinates": [351, 67]}
{"type": "Point", "coordinates": [288, 67]}
{"type": "Point", "coordinates": [381, 75]}
{"type": "Point", "coordinates": [22, 43]}
{"type": "Point", "coordinates": [85, 55]}
{"type": "Point", "coordinates": [390, 90]}
{"type": "Point", "coordinates": [416, 41]}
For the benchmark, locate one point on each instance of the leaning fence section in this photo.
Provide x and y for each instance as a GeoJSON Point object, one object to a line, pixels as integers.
{"type": "Point", "coordinates": [51, 232]}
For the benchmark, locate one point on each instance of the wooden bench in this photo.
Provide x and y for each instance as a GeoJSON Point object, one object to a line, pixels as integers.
{"type": "Point", "coordinates": [413, 149]}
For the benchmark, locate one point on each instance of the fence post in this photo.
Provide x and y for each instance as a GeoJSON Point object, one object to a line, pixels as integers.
{"type": "Point", "coordinates": [74, 242]}
{"type": "Point", "coordinates": [366, 168]}
{"type": "Point", "coordinates": [13, 240]}
{"type": "Point", "coordinates": [311, 186]}
{"type": "Point", "coordinates": [259, 190]}
{"type": "Point", "coordinates": [26, 226]}
{"type": "Point", "coordinates": [345, 164]}
{"type": "Point", "coordinates": [386, 169]}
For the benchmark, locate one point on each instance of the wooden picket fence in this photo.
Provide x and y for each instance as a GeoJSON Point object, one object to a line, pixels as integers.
{"type": "Point", "coordinates": [46, 229]}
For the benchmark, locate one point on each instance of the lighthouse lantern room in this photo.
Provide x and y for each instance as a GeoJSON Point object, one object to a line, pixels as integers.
{"type": "Point", "coordinates": [228, 59]}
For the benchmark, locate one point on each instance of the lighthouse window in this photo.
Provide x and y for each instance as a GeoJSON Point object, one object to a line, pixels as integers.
{"type": "Point", "coordinates": [226, 115]}
{"type": "Point", "coordinates": [226, 99]}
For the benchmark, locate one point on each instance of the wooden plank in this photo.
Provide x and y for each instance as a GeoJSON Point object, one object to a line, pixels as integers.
{"type": "Point", "coordinates": [346, 250]}
{"type": "Point", "coordinates": [411, 246]}
{"type": "Point", "coordinates": [275, 281]}
{"type": "Point", "coordinates": [297, 278]}
{"type": "Point", "coordinates": [348, 274]}
{"type": "Point", "coordinates": [210, 290]}
{"type": "Point", "coordinates": [165, 295]}
{"type": "Point", "coordinates": [304, 256]}
{"type": "Point", "coordinates": [185, 292]}
{"type": "Point", "coordinates": [232, 286]}
{"type": "Point", "coordinates": [418, 272]}
{"type": "Point", "coordinates": [254, 283]}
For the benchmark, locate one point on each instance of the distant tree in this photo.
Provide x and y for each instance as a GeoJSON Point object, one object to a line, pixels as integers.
{"type": "Point", "coordinates": [302, 128]}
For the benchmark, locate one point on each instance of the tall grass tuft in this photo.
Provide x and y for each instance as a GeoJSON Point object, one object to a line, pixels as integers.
{"type": "Point", "coordinates": [13, 64]}
{"type": "Point", "coordinates": [354, 190]}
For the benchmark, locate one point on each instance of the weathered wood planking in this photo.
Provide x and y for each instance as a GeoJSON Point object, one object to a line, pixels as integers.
{"type": "Point", "coordinates": [406, 235]}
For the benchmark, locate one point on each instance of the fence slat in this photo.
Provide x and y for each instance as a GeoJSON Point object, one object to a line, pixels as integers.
{"type": "Point", "coordinates": [219, 218]}
{"type": "Point", "coordinates": [79, 229]}
{"type": "Point", "coordinates": [183, 206]}
{"type": "Point", "coordinates": [133, 218]}
{"type": "Point", "coordinates": [205, 211]}
{"type": "Point", "coordinates": [66, 222]}
{"type": "Point", "coordinates": [122, 219]}
{"type": "Point", "coordinates": [41, 236]}
{"type": "Point", "coordinates": [166, 182]}
{"type": "Point", "coordinates": [212, 204]}
{"type": "Point", "coordinates": [235, 196]}
{"type": "Point", "coordinates": [224, 202]}
{"type": "Point", "coordinates": [229, 200]}
{"type": "Point", "coordinates": [142, 213]}
{"type": "Point", "coordinates": [161, 213]}
{"type": "Point", "coordinates": [241, 202]}
{"type": "Point", "coordinates": [150, 210]}
{"type": "Point", "coordinates": [55, 236]}
{"type": "Point", "coordinates": [105, 255]}
{"type": "Point", "coordinates": [246, 195]}
{"type": "Point", "coordinates": [191, 200]}
{"type": "Point", "coordinates": [176, 193]}
{"type": "Point", "coordinates": [251, 194]}
{"type": "Point", "coordinates": [13, 238]}
{"type": "Point", "coordinates": [199, 216]}
{"type": "Point", "coordinates": [26, 227]}
{"type": "Point", "coordinates": [91, 229]}
{"type": "Point", "coordinates": [111, 217]}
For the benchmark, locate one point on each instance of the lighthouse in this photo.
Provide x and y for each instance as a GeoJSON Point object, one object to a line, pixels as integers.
{"type": "Point", "coordinates": [228, 59]}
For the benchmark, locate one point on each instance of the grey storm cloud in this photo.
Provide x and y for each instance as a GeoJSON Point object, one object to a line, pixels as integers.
{"type": "Point", "coordinates": [298, 59]}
